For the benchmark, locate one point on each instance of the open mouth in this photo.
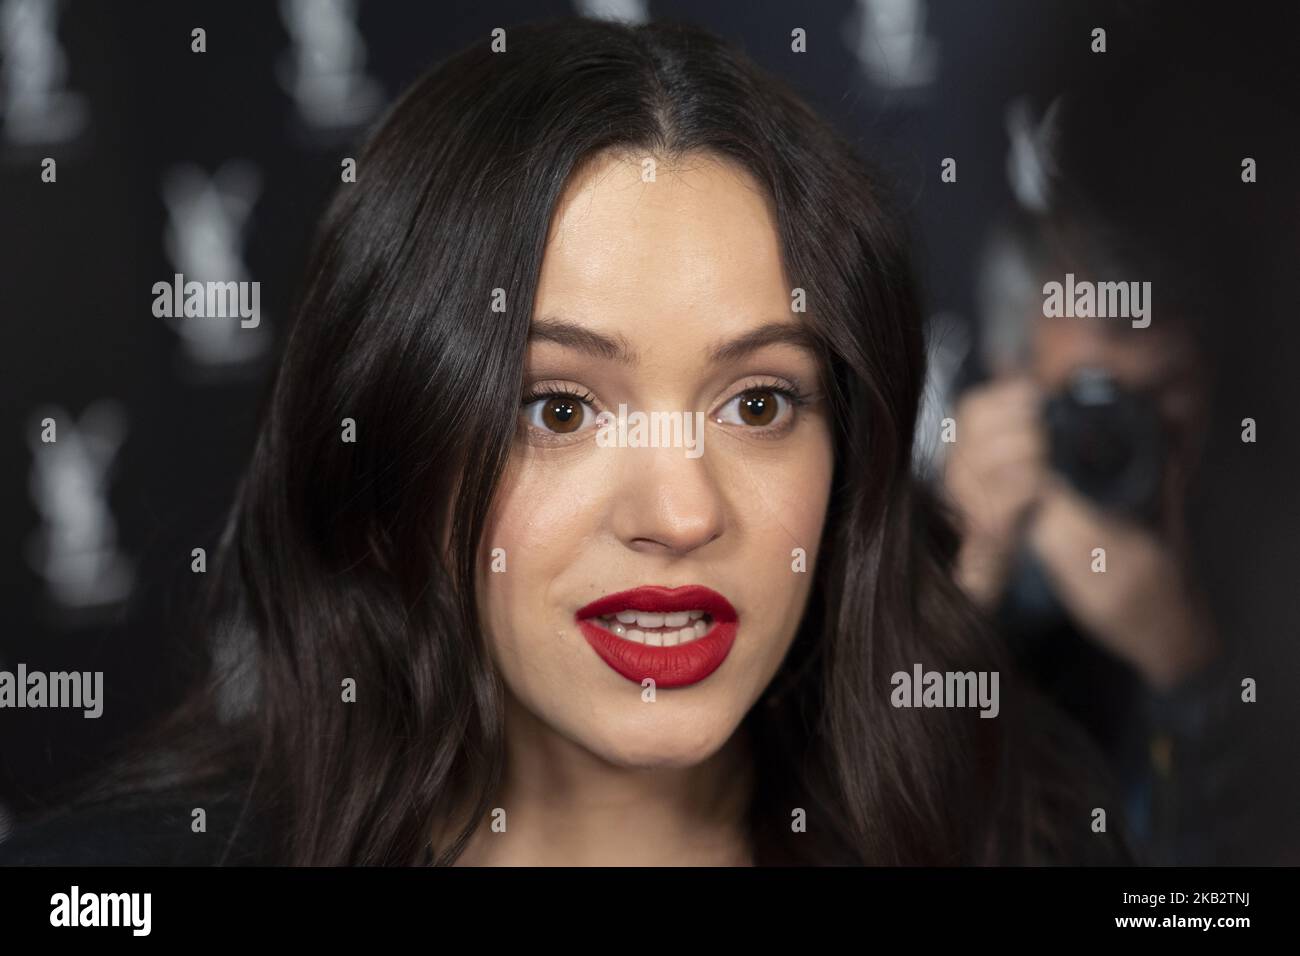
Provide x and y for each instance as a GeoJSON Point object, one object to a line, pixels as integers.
{"type": "Point", "coordinates": [657, 629]}
{"type": "Point", "coordinates": [673, 636]}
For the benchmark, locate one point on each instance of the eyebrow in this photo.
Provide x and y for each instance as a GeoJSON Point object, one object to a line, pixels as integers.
{"type": "Point", "coordinates": [772, 333]}
{"type": "Point", "coordinates": [574, 336]}
{"type": "Point", "coordinates": [617, 348]}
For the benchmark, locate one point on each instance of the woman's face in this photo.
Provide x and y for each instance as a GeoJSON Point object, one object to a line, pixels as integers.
{"type": "Point", "coordinates": [665, 299]}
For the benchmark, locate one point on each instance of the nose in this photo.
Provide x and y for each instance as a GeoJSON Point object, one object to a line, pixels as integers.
{"type": "Point", "coordinates": [667, 502]}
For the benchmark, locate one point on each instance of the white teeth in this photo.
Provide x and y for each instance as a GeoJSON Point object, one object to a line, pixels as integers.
{"type": "Point", "coordinates": [648, 619]}
{"type": "Point", "coordinates": [672, 634]}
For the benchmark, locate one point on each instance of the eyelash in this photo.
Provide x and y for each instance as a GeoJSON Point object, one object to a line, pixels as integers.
{"type": "Point", "coordinates": [792, 393]}
{"type": "Point", "coordinates": [557, 392]}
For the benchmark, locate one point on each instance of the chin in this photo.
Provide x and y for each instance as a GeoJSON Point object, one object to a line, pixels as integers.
{"type": "Point", "coordinates": [667, 744]}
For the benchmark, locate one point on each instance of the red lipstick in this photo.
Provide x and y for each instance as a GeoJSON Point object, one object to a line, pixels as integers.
{"type": "Point", "coordinates": [674, 666]}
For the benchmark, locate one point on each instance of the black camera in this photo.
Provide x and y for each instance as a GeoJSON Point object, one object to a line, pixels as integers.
{"type": "Point", "coordinates": [1108, 442]}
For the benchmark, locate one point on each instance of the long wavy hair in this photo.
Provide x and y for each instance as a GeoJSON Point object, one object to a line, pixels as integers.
{"type": "Point", "coordinates": [358, 559]}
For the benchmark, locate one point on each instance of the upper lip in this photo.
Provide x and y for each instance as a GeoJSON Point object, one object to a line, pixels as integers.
{"type": "Point", "coordinates": [655, 599]}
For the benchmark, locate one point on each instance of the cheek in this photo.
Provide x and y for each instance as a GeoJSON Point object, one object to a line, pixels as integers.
{"type": "Point", "coordinates": [537, 527]}
{"type": "Point", "coordinates": [780, 500]}
{"type": "Point", "coordinates": [778, 503]}
{"type": "Point", "coordinates": [543, 511]}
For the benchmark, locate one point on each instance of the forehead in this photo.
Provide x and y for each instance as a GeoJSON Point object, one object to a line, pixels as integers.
{"type": "Point", "coordinates": [698, 241]}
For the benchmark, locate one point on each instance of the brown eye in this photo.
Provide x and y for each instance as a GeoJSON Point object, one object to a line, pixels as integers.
{"type": "Point", "coordinates": [562, 415]}
{"type": "Point", "coordinates": [558, 414]}
{"type": "Point", "coordinates": [757, 408]}
{"type": "Point", "coordinates": [768, 409]}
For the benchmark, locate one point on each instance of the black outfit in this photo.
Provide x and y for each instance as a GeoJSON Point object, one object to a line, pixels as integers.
{"type": "Point", "coordinates": [1172, 755]}
{"type": "Point", "coordinates": [149, 831]}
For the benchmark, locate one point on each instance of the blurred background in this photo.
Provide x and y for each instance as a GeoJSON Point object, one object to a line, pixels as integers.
{"type": "Point", "coordinates": [1026, 147]}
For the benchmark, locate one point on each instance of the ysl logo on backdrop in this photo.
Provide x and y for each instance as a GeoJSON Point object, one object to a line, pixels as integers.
{"type": "Point", "coordinates": [204, 238]}
{"type": "Point", "coordinates": [33, 68]}
{"type": "Point", "coordinates": [622, 11]}
{"type": "Point", "coordinates": [889, 40]}
{"type": "Point", "coordinates": [75, 549]}
{"type": "Point", "coordinates": [324, 72]}
{"type": "Point", "coordinates": [1031, 163]}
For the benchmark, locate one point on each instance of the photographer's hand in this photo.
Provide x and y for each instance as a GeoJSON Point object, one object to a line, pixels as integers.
{"type": "Point", "coordinates": [994, 473]}
{"type": "Point", "coordinates": [1142, 607]}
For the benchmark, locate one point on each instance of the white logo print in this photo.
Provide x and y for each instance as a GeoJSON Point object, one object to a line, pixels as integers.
{"type": "Point", "coordinates": [619, 11]}
{"type": "Point", "coordinates": [888, 38]}
{"type": "Point", "coordinates": [207, 216]}
{"type": "Point", "coordinates": [1031, 158]}
{"type": "Point", "coordinates": [324, 72]}
{"type": "Point", "coordinates": [75, 908]}
{"type": "Point", "coordinates": [33, 68]}
{"type": "Point", "coordinates": [75, 550]}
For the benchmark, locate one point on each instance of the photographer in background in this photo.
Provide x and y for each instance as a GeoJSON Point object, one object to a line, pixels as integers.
{"type": "Point", "coordinates": [1081, 433]}
{"type": "Point", "coordinates": [1085, 437]}
{"type": "Point", "coordinates": [1078, 433]}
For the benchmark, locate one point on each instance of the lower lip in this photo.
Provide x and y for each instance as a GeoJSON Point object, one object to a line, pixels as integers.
{"type": "Point", "coordinates": [677, 666]}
